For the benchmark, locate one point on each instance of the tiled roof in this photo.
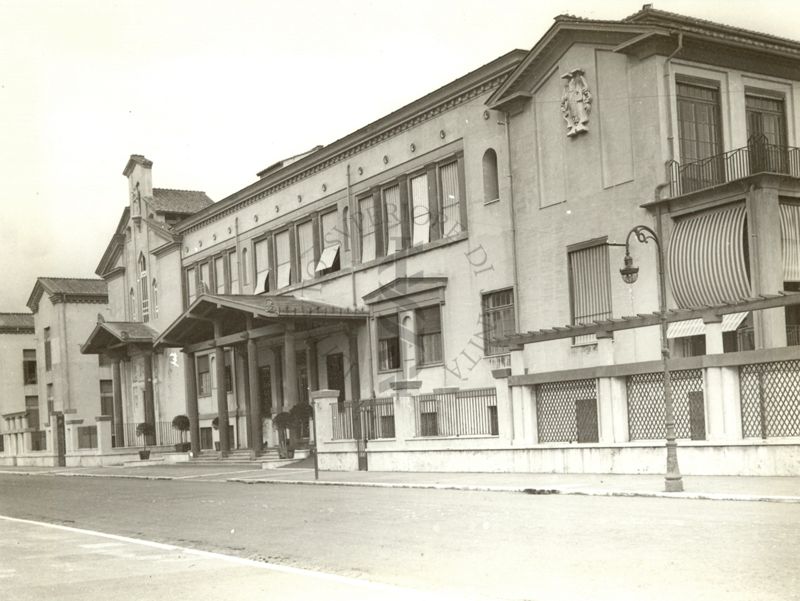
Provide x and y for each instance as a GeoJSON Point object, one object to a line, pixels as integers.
{"type": "Point", "coordinates": [130, 330]}
{"type": "Point", "coordinates": [16, 320]}
{"type": "Point", "coordinates": [186, 202]}
{"type": "Point", "coordinates": [75, 286]}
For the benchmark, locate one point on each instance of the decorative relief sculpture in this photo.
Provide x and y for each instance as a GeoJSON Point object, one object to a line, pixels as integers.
{"type": "Point", "coordinates": [576, 102]}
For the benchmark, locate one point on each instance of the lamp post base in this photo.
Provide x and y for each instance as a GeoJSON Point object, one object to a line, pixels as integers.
{"type": "Point", "coordinates": [673, 484]}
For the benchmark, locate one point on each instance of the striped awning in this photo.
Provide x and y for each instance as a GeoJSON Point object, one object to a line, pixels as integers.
{"type": "Point", "coordinates": [706, 258]}
{"type": "Point", "coordinates": [696, 327]}
{"type": "Point", "coordinates": [790, 241]}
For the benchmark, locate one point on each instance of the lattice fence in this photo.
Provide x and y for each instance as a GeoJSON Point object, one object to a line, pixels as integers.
{"type": "Point", "coordinates": [770, 394]}
{"type": "Point", "coordinates": [561, 406]}
{"type": "Point", "coordinates": [646, 403]}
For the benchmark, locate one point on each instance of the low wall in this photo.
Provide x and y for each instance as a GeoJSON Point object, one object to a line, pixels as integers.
{"type": "Point", "coordinates": [33, 459]}
{"type": "Point", "coordinates": [695, 458]}
{"type": "Point", "coordinates": [90, 457]}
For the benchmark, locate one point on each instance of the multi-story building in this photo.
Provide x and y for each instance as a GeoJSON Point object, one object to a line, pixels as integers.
{"type": "Point", "coordinates": [19, 396]}
{"type": "Point", "coordinates": [73, 388]}
{"type": "Point", "coordinates": [391, 265]}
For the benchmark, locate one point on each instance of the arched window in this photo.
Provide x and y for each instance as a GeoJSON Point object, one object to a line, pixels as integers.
{"type": "Point", "coordinates": [491, 189]}
{"type": "Point", "coordinates": [244, 267]}
{"type": "Point", "coordinates": [144, 288]}
{"type": "Point", "coordinates": [155, 298]}
{"type": "Point", "coordinates": [132, 304]}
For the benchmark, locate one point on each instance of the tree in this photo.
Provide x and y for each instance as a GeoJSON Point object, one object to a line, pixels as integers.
{"type": "Point", "coordinates": [145, 430]}
{"type": "Point", "coordinates": [182, 424]}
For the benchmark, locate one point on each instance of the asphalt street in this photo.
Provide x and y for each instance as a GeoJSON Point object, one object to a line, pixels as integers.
{"type": "Point", "coordinates": [458, 543]}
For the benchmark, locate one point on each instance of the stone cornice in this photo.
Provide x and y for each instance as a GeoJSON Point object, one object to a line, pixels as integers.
{"type": "Point", "coordinates": [79, 298]}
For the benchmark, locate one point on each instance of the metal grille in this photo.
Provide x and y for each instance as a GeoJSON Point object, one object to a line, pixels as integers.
{"type": "Point", "coordinates": [165, 435]}
{"type": "Point", "coordinates": [370, 419]}
{"type": "Point", "coordinates": [770, 394]}
{"type": "Point", "coordinates": [557, 408]}
{"type": "Point", "coordinates": [459, 413]}
{"type": "Point", "coordinates": [646, 403]}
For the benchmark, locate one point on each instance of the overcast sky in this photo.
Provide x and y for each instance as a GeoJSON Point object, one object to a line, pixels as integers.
{"type": "Point", "coordinates": [213, 92]}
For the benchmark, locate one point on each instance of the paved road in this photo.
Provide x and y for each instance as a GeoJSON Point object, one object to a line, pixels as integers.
{"type": "Point", "coordinates": [497, 545]}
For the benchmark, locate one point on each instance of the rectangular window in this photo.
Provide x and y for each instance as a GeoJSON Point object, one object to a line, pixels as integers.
{"type": "Point", "coordinates": [429, 335]}
{"type": "Point", "coordinates": [51, 401]}
{"type": "Point", "coordinates": [32, 409]}
{"type": "Point", "coordinates": [29, 366]}
{"type": "Point", "coordinates": [219, 275]}
{"type": "Point", "coordinates": [388, 343]}
{"type": "Point", "coordinates": [329, 235]}
{"type": "Point", "coordinates": [48, 355]}
{"type": "Point", "coordinates": [87, 437]}
{"type": "Point", "coordinates": [205, 278]}
{"type": "Point", "coordinates": [107, 398]}
{"type": "Point", "coordinates": [233, 271]}
{"type": "Point", "coordinates": [392, 222]}
{"type": "Point", "coordinates": [420, 210]}
{"type": "Point", "coordinates": [305, 250]}
{"type": "Point", "coordinates": [191, 285]}
{"type": "Point", "coordinates": [450, 199]}
{"type": "Point", "coordinates": [283, 258]}
{"type": "Point", "coordinates": [261, 250]}
{"type": "Point", "coordinates": [366, 215]}
{"type": "Point", "coordinates": [590, 286]}
{"type": "Point", "coordinates": [203, 376]}
{"type": "Point", "coordinates": [766, 117]}
{"type": "Point", "coordinates": [698, 121]}
{"type": "Point", "coordinates": [498, 320]}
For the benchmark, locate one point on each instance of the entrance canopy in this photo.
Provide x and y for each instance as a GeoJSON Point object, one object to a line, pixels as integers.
{"type": "Point", "coordinates": [238, 313]}
{"type": "Point", "coordinates": [110, 336]}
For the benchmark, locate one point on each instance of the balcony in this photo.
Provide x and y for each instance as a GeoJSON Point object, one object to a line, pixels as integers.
{"type": "Point", "coordinates": [759, 156]}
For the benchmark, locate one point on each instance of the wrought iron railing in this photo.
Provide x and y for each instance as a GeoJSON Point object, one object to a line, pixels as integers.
{"type": "Point", "coordinates": [759, 156]}
{"type": "Point", "coordinates": [366, 419]}
{"type": "Point", "coordinates": [458, 413]}
{"type": "Point", "coordinates": [165, 435]}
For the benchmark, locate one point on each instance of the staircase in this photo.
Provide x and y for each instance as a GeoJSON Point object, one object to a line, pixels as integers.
{"type": "Point", "coordinates": [240, 457]}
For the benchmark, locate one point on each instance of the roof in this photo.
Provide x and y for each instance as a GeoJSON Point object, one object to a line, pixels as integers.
{"type": "Point", "coordinates": [638, 27]}
{"type": "Point", "coordinates": [234, 310]}
{"type": "Point", "coordinates": [16, 323]}
{"type": "Point", "coordinates": [185, 202]}
{"type": "Point", "coordinates": [68, 289]}
{"type": "Point", "coordinates": [430, 105]}
{"type": "Point", "coordinates": [117, 333]}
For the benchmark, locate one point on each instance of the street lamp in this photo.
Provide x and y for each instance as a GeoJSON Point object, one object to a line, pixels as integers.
{"type": "Point", "coordinates": [673, 481]}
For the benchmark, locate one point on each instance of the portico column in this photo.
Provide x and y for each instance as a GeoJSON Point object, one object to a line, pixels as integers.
{"type": "Point", "coordinates": [290, 366]}
{"type": "Point", "coordinates": [222, 393]}
{"type": "Point", "coordinates": [149, 405]}
{"type": "Point", "coordinates": [190, 375]}
{"type": "Point", "coordinates": [355, 379]}
{"type": "Point", "coordinates": [116, 377]}
{"type": "Point", "coordinates": [256, 432]}
{"type": "Point", "coordinates": [311, 362]}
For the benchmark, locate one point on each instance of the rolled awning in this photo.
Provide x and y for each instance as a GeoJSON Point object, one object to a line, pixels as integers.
{"type": "Point", "coordinates": [696, 327]}
{"type": "Point", "coordinates": [790, 241]}
{"type": "Point", "coordinates": [706, 258]}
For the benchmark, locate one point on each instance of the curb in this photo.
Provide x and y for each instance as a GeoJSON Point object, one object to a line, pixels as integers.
{"type": "Point", "coordinates": [589, 492]}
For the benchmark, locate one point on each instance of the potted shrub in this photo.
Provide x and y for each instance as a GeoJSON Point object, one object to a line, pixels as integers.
{"type": "Point", "coordinates": [281, 422]}
{"type": "Point", "coordinates": [181, 424]}
{"type": "Point", "coordinates": [302, 414]}
{"type": "Point", "coordinates": [144, 430]}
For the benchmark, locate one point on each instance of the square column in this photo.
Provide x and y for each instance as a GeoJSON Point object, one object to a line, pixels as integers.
{"type": "Point", "coordinates": [190, 375]}
{"type": "Point", "coordinates": [103, 434]}
{"type": "Point", "coordinates": [256, 425]}
{"type": "Point", "coordinates": [290, 395]}
{"type": "Point", "coordinates": [119, 429]}
{"type": "Point", "coordinates": [149, 404]}
{"type": "Point", "coordinates": [222, 394]}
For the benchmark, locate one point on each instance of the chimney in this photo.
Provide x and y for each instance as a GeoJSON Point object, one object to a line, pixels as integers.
{"type": "Point", "coordinates": [140, 181]}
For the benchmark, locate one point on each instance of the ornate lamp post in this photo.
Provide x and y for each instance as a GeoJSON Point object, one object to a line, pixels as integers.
{"type": "Point", "coordinates": [629, 273]}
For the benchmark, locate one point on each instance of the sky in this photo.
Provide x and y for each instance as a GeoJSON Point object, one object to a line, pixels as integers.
{"type": "Point", "coordinates": [214, 91]}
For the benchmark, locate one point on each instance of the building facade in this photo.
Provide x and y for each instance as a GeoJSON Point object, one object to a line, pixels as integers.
{"type": "Point", "coordinates": [402, 265]}
{"type": "Point", "coordinates": [19, 395]}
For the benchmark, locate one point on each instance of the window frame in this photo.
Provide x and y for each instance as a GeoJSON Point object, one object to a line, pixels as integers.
{"type": "Point", "coordinates": [488, 351]}
{"type": "Point", "coordinates": [396, 342]}
{"type": "Point", "coordinates": [29, 365]}
{"type": "Point", "coordinates": [418, 337]}
{"type": "Point", "coordinates": [582, 247]}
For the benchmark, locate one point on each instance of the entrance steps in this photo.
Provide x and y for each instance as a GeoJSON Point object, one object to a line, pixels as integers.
{"type": "Point", "coordinates": [267, 459]}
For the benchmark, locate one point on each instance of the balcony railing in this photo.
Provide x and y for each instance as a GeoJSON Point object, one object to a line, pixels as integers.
{"type": "Point", "coordinates": [759, 156]}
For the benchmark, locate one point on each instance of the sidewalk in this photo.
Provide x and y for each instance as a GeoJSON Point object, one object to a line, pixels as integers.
{"type": "Point", "coordinates": [740, 488]}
